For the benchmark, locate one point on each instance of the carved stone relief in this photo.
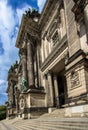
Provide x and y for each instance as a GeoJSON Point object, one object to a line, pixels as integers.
{"type": "Point", "coordinates": [75, 82]}
{"type": "Point", "coordinates": [22, 104]}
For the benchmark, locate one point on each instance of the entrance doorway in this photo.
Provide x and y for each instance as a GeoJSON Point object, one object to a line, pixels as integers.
{"type": "Point", "coordinates": [61, 89]}
{"type": "Point", "coordinates": [59, 84]}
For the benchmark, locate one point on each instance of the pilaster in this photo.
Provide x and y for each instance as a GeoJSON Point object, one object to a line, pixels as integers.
{"type": "Point", "coordinates": [86, 16]}
{"type": "Point", "coordinates": [80, 9]}
{"type": "Point", "coordinates": [23, 53]}
{"type": "Point", "coordinates": [50, 90]}
{"type": "Point", "coordinates": [73, 39]}
{"type": "Point", "coordinates": [63, 23]}
{"type": "Point", "coordinates": [30, 65]}
{"type": "Point", "coordinates": [56, 90]}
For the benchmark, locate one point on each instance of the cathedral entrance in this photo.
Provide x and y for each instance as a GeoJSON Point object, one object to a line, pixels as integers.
{"type": "Point", "coordinates": [59, 84]}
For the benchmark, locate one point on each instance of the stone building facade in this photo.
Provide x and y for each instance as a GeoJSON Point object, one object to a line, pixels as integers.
{"type": "Point", "coordinates": [11, 90]}
{"type": "Point", "coordinates": [53, 67]}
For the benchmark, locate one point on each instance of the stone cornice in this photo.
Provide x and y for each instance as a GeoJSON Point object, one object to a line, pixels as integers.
{"type": "Point", "coordinates": [27, 26]}
{"type": "Point", "coordinates": [47, 10]}
{"type": "Point", "coordinates": [20, 30]}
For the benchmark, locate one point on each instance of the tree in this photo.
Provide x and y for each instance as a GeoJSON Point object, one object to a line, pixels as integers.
{"type": "Point", "coordinates": [2, 112]}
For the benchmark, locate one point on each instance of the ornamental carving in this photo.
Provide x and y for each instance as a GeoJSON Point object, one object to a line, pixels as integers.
{"type": "Point", "coordinates": [54, 26]}
{"type": "Point", "coordinates": [81, 3]}
{"type": "Point", "coordinates": [13, 67]}
{"type": "Point", "coordinates": [74, 79]}
{"type": "Point", "coordinates": [22, 103]}
{"type": "Point", "coordinates": [78, 9]}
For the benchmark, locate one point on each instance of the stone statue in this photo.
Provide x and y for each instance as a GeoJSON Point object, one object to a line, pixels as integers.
{"type": "Point", "coordinates": [10, 102]}
{"type": "Point", "coordinates": [24, 85]}
{"type": "Point", "coordinates": [32, 13]}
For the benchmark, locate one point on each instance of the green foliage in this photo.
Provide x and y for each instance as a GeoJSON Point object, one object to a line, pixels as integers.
{"type": "Point", "coordinates": [2, 112]}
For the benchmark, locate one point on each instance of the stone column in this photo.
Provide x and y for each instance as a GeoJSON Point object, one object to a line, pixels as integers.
{"type": "Point", "coordinates": [37, 67]}
{"type": "Point", "coordinates": [30, 65]}
{"type": "Point", "coordinates": [62, 14]}
{"type": "Point", "coordinates": [42, 51]}
{"type": "Point", "coordinates": [24, 63]}
{"type": "Point", "coordinates": [86, 16]}
{"type": "Point", "coordinates": [50, 90]}
{"type": "Point", "coordinates": [44, 56]}
{"type": "Point", "coordinates": [45, 84]}
{"type": "Point", "coordinates": [45, 47]}
{"type": "Point", "coordinates": [17, 101]}
{"type": "Point", "coordinates": [56, 91]}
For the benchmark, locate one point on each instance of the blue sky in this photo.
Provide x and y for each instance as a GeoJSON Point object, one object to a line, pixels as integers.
{"type": "Point", "coordinates": [10, 18]}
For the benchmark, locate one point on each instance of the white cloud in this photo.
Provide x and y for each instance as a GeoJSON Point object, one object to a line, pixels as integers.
{"type": "Point", "coordinates": [9, 26]}
{"type": "Point", "coordinates": [2, 82]}
{"type": "Point", "coordinates": [9, 23]}
{"type": "Point", "coordinates": [41, 4]}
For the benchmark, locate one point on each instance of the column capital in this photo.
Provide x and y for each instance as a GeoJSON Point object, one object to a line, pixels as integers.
{"type": "Point", "coordinates": [49, 72]}
{"type": "Point", "coordinates": [32, 36]}
{"type": "Point", "coordinates": [28, 36]}
{"type": "Point", "coordinates": [22, 51]}
{"type": "Point", "coordinates": [86, 2]}
{"type": "Point", "coordinates": [54, 75]}
{"type": "Point", "coordinates": [61, 4]}
{"type": "Point", "coordinates": [80, 4]}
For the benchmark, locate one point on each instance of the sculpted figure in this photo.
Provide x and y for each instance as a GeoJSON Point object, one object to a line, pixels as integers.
{"type": "Point", "coordinates": [10, 102]}
{"type": "Point", "coordinates": [24, 85]}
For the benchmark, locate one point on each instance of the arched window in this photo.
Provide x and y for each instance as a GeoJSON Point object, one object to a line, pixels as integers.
{"type": "Point", "coordinates": [55, 38]}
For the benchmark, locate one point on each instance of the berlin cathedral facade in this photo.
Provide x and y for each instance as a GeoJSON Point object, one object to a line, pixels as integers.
{"type": "Point", "coordinates": [53, 69]}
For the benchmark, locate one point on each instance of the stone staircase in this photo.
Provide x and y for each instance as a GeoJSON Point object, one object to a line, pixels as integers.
{"type": "Point", "coordinates": [52, 121]}
{"type": "Point", "coordinates": [48, 123]}
{"type": "Point", "coordinates": [55, 113]}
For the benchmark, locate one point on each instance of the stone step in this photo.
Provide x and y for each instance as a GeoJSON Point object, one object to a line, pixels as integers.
{"type": "Point", "coordinates": [55, 113]}
{"type": "Point", "coordinates": [24, 128]}
{"type": "Point", "coordinates": [50, 127]}
{"type": "Point", "coordinates": [81, 120]}
{"type": "Point", "coordinates": [49, 123]}
{"type": "Point", "coordinates": [53, 125]}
